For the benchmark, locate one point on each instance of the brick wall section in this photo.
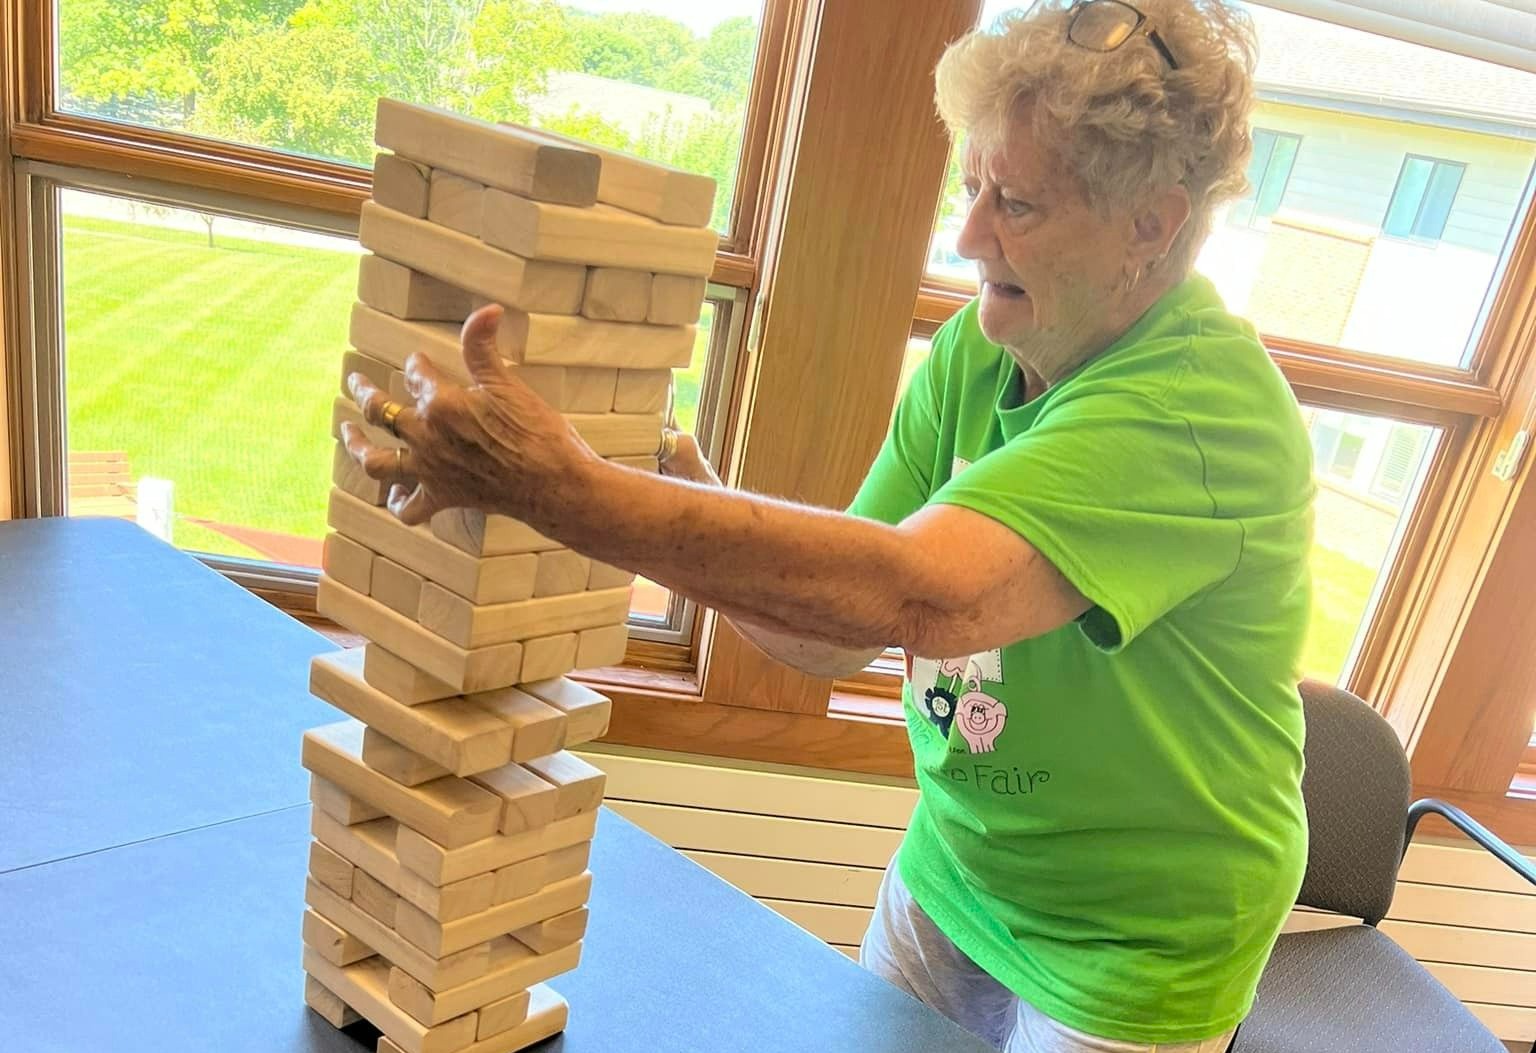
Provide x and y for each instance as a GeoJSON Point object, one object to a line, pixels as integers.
{"type": "Point", "coordinates": [1308, 277]}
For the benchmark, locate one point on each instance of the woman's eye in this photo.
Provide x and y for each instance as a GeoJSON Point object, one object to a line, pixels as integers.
{"type": "Point", "coordinates": [971, 190]}
{"type": "Point", "coordinates": [1014, 207]}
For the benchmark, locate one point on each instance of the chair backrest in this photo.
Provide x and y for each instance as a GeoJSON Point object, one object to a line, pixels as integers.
{"type": "Point", "coordinates": [1357, 786]}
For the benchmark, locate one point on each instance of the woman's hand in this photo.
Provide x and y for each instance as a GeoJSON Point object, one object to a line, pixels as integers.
{"type": "Point", "coordinates": [494, 446]}
{"type": "Point", "coordinates": [687, 461]}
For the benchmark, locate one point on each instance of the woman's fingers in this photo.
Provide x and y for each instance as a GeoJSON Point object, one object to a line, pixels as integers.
{"type": "Point", "coordinates": [389, 464]}
{"type": "Point", "coordinates": [422, 378]}
{"type": "Point", "coordinates": [411, 505]}
{"type": "Point", "coordinates": [481, 356]}
{"type": "Point", "coordinates": [382, 411]}
{"type": "Point", "coordinates": [684, 460]}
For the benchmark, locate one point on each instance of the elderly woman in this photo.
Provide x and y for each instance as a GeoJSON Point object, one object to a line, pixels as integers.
{"type": "Point", "coordinates": [1087, 529]}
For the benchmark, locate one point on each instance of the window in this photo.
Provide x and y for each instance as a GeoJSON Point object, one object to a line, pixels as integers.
{"type": "Point", "coordinates": [666, 80]}
{"type": "Point", "coordinates": [1274, 153]}
{"type": "Point", "coordinates": [1421, 204]}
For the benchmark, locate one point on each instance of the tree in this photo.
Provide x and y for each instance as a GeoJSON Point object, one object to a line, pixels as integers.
{"type": "Point", "coordinates": [720, 68]}
{"type": "Point", "coordinates": [150, 59]}
{"type": "Point", "coordinates": [632, 46]}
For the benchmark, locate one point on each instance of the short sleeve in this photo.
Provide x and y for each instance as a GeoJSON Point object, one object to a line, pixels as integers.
{"type": "Point", "coordinates": [1111, 488]}
{"type": "Point", "coordinates": [901, 479]}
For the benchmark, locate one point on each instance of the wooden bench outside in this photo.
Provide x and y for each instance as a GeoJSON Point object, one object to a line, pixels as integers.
{"type": "Point", "coordinates": [101, 484]}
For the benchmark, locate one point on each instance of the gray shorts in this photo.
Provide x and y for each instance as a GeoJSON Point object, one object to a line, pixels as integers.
{"type": "Point", "coordinates": [905, 947]}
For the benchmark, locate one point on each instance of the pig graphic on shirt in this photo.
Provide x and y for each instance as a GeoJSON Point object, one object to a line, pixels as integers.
{"type": "Point", "coordinates": [980, 718]}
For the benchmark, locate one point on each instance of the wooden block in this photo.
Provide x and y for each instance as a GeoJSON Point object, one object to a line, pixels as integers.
{"type": "Point", "coordinates": [586, 390]}
{"type": "Point", "coordinates": [547, 1015]}
{"type": "Point", "coordinates": [605, 577]}
{"type": "Point", "coordinates": [642, 391]}
{"type": "Point", "coordinates": [334, 872]}
{"type": "Point", "coordinates": [387, 672]}
{"type": "Point", "coordinates": [523, 162]}
{"type": "Point", "coordinates": [377, 372]}
{"type": "Point", "coordinates": [455, 202]}
{"type": "Point", "coordinates": [350, 478]}
{"type": "Point", "coordinates": [365, 986]}
{"type": "Point", "coordinates": [436, 973]}
{"type": "Point", "coordinates": [578, 785]}
{"type": "Point", "coordinates": [401, 184]}
{"type": "Point", "coordinates": [561, 571]}
{"type": "Point", "coordinates": [586, 711]}
{"type": "Point", "coordinates": [474, 532]}
{"type": "Point", "coordinates": [388, 757]}
{"type": "Point", "coordinates": [470, 264]}
{"type": "Point", "coordinates": [503, 1014]}
{"type": "Point", "coordinates": [454, 732]}
{"type": "Point", "coordinates": [480, 669]}
{"type": "Point", "coordinates": [676, 299]}
{"type": "Point", "coordinates": [538, 729]}
{"type": "Point", "coordinates": [374, 898]}
{"type": "Point", "coordinates": [453, 812]}
{"type": "Point", "coordinates": [596, 648]}
{"type": "Point", "coordinates": [348, 562]}
{"type": "Point", "coordinates": [337, 945]}
{"type": "Point", "coordinates": [619, 435]}
{"type": "Point", "coordinates": [553, 933]}
{"type": "Point", "coordinates": [395, 289]}
{"type": "Point", "coordinates": [472, 626]}
{"type": "Point", "coordinates": [666, 194]}
{"type": "Point", "coordinates": [501, 579]}
{"type": "Point", "coordinates": [394, 340]}
{"type": "Point", "coordinates": [395, 587]}
{"type": "Point", "coordinates": [563, 340]}
{"type": "Point", "coordinates": [528, 801]}
{"type": "Point", "coordinates": [397, 387]}
{"type": "Point", "coordinates": [340, 805]}
{"type": "Point", "coordinates": [617, 295]}
{"type": "Point", "coordinates": [442, 865]}
{"type": "Point", "coordinates": [443, 938]}
{"type": "Point", "coordinates": [526, 877]}
{"type": "Point", "coordinates": [547, 656]}
{"type": "Point", "coordinates": [639, 464]}
{"type": "Point", "coordinates": [602, 236]}
{"type": "Point", "coordinates": [371, 846]}
{"type": "Point", "coordinates": [513, 968]}
{"type": "Point", "coordinates": [330, 1007]}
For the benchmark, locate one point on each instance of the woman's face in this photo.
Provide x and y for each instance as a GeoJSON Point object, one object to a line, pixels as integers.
{"type": "Point", "coordinates": [1051, 268]}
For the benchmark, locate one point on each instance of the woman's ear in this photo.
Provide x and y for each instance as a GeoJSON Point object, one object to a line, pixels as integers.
{"type": "Point", "coordinates": [1158, 224]}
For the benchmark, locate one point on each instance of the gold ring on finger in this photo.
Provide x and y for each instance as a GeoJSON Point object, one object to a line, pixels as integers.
{"type": "Point", "coordinates": [389, 415]}
{"type": "Point", "coordinates": [668, 448]}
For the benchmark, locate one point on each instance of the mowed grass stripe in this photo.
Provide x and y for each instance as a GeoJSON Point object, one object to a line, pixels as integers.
{"type": "Point", "coordinates": [211, 367]}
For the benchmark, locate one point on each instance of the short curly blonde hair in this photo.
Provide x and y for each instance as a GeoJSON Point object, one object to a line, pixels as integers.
{"type": "Point", "coordinates": [1122, 121]}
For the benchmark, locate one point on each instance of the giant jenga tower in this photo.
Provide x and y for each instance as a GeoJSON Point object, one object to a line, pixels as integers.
{"type": "Point", "coordinates": [448, 875]}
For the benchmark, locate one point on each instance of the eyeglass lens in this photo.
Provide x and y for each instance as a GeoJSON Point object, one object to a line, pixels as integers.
{"type": "Point", "coordinates": [1103, 25]}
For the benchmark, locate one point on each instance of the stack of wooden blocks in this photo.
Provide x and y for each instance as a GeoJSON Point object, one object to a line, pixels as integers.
{"type": "Point", "coordinates": [448, 875]}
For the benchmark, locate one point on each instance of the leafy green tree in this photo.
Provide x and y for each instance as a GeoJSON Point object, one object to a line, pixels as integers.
{"type": "Point", "coordinates": [632, 46]}
{"type": "Point", "coordinates": [150, 59]}
{"type": "Point", "coordinates": [720, 66]}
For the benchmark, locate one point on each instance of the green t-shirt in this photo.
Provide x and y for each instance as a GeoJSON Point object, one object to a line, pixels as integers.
{"type": "Point", "coordinates": [1110, 819]}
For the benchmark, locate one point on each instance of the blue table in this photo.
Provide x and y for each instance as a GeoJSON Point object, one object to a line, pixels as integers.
{"type": "Point", "coordinates": [153, 824]}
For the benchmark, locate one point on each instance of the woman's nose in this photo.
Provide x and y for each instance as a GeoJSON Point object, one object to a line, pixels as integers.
{"type": "Point", "coordinates": [977, 240]}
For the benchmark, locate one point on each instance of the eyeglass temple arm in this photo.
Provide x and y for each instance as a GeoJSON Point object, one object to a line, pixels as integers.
{"type": "Point", "coordinates": [1162, 49]}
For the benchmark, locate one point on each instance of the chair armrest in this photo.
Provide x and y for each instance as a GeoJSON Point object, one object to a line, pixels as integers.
{"type": "Point", "coordinates": [1473, 829]}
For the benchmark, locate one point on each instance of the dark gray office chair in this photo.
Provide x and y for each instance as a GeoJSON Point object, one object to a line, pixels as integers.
{"type": "Point", "coordinates": [1352, 990]}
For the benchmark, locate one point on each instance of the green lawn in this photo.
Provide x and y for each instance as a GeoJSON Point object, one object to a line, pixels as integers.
{"type": "Point", "coordinates": [215, 368]}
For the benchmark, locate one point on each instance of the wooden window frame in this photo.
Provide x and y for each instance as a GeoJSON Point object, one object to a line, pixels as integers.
{"type": "Point", "coordinates": [825, 248]}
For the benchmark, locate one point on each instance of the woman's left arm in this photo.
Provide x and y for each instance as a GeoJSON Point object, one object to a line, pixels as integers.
{"type": "Point", "coordinates": [947, 581]}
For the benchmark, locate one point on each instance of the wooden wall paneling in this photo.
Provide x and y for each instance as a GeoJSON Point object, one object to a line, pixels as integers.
{"type": "Point", "coordinates": [845, 264]}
